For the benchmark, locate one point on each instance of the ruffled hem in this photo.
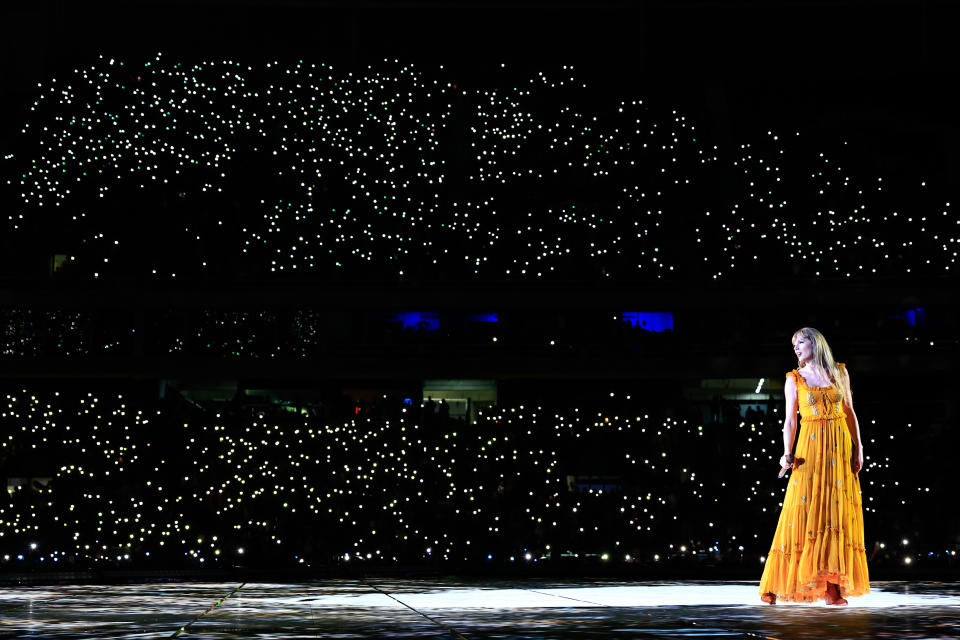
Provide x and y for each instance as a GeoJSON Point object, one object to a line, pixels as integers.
{"type": "Point", "coordinates": [782, 577]}
{"type": "Point", "coordinates": [816, 589]}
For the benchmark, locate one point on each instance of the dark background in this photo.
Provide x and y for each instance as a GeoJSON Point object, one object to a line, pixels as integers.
{"type": "Point", "coordinates": [877, 75]}
{"type": "Point", "coordinates": [874, 75]}
{"type": "Point", "coordinates": [880, 74]}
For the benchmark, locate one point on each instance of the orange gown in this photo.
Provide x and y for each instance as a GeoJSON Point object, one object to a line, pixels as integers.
{"type": "Point", "coordinates": [819, 537]}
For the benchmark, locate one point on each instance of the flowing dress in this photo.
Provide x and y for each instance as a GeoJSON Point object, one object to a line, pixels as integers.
{"type": "Point", "coordinates": [819, 537]}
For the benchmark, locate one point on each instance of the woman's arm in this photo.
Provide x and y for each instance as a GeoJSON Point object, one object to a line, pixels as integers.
{"type": "Point", "coordinates": [853, 426]}
{"type": "Point", "coordinates": [789, 424]}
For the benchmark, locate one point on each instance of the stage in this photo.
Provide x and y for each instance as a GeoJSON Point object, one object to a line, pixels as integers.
{"type": "Point", "coordinates": [445, 608]}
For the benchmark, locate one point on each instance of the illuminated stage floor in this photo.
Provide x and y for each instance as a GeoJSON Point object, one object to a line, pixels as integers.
{"type": "Point", "coordinates": [397, 608]}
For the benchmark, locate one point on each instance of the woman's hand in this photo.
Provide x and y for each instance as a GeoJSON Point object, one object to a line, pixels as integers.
{"type": "Point", "coordinates": [786, 463]}
{"type": "Point", "coordinates": [856, 460]}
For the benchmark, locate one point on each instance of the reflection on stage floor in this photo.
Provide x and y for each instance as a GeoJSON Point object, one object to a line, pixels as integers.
{"type": "Point", "coordinates": [477, 609]}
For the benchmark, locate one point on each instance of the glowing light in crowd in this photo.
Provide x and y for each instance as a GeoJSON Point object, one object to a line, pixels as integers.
{"type": "Point", "coordinates": [131, 479]}
{"type": "Point", "coordinates": [295, 167]}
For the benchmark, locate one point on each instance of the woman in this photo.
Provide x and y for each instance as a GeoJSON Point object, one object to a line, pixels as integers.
{"type": "Point", "coordinates": [817, 551]}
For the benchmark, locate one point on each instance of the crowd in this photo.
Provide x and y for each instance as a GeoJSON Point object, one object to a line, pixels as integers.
{"type": "Point", "coordinates": [398, 173]}
{"type": "Point", "coordinates": [306, 333]}
{"type": "Point", "coordinates": [293, 168]}
{"type": "Point", "coordinates": [303, 332]}
{"type": "Point", "coordinates": [113, 479]}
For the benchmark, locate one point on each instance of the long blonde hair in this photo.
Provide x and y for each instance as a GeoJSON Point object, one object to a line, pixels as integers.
{"type": "Point", "coordinates": [822, 360]}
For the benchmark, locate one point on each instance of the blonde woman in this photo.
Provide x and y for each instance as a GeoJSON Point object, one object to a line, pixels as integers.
{"type": "Point", "coordinates": [818, 551]}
